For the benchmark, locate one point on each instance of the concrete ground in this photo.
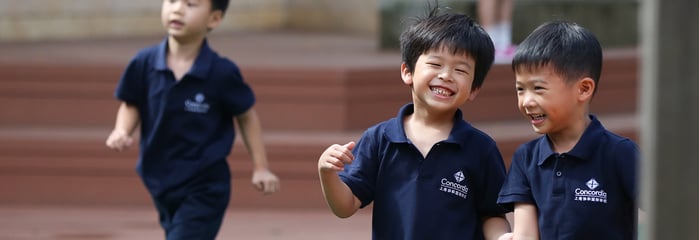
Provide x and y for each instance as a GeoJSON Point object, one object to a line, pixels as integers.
{"type": "Point", "coordinates": [134, 223]}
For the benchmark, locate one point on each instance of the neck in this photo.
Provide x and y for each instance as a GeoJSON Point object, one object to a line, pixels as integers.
{"type": "Point", "coordinates": [564, 141]}
{"type": "Point", "coordinates": [431, 117]}
{"type": "Point", "coordinates": [183, 50]}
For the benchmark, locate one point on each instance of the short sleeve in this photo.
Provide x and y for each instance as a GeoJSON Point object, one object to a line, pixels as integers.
{"type": "Point", "coordinates": [360, 176]}
{"type": "Point", "coordinates": [131, 84]}
{"type": "Point", "coordinates": [237, 96]}
{"type": "Point", "coordinates": [494, 168]}
{"type": "Point", "coordinates": [516, 187]}
{"type": "Point", "coordinates": [626, 157]}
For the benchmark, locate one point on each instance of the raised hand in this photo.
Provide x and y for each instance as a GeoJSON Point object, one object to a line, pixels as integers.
{"type": "Point", "coordinates": [336, 157]}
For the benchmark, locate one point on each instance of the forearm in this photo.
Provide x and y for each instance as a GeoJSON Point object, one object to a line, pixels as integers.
{"type": "Point", "coordinates": [338, 195]}
{"type": "Point", "coordinates": [127, 118]}
{"type": "Point", "coordinates": [494, 227]}
{"type": "Point", "coordinates": [526, 222]}
{"type": "Point", "coordinates": [251, 132]}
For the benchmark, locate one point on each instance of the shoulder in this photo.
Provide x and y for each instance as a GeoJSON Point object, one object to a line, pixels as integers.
{"type": "Point", "coordinates": [146, 54]}
{"type": "Point", "coordinates": [464, 132]}
{"type": "Point", "coordinates": [618, 143]}
{"type": "Point", "coordinates": [479, 135]}
{"type": "Point", "coordinates": [379, 129]}
{"type": "Point", "coordinates": [223, 66]}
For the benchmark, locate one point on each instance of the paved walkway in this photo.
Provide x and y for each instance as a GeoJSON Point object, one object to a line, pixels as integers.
{"type": "Point", "coordinates": [110, 223]}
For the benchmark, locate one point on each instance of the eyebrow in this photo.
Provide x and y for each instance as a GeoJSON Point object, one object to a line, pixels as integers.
{"type": "Point", "coordinates": [533, 81]}
{"type": "Point", "coordinates": [441, 58]}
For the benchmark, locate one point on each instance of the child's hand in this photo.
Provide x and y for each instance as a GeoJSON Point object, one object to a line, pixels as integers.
{"type": "Point", "coordinates": [119, 140]}
{"type": "Point", "coordinates": [506, 236]}
{"type": "Point", "coordinates": [265, 181]}
{"type": "Point", "coordinates": [336, 157]}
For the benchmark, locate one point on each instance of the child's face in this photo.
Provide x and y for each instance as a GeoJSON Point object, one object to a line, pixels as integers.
{"type": "Point", "coordinates": [188, 18]}
{"type": "Point", "coordinates": [547, 99]}
{"type": "Point", "coordinates": [441, 80]}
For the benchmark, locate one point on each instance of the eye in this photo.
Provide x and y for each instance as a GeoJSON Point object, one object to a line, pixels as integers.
{"type": "Point", "coordinates": [192, 3]}
{"type": "Point", "coordinates": [462, 71]}
{"type": "Point", "coordinates": [538, 88]}
{"type": "Point", "coordinates": [434, 64]}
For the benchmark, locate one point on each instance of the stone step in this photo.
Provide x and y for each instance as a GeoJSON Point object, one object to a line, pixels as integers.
{"type": "Point", "coordinates": [289, 99]}
{"type": "Point", "coordinates": [40, 166]}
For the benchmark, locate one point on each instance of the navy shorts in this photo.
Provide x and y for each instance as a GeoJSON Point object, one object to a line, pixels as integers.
{"type": "Point", "coordinates": [195, 209]}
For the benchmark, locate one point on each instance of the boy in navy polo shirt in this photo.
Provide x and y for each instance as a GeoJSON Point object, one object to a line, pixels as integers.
{"type": "Point", "coordinates": [184, 96]}
{"type": "Point", "coordinates": [429, 174]}
{"type": "Point", "coordinates": [578, 181]}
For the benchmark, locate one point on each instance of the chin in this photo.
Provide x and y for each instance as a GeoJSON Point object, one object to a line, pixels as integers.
{"type": "Point", "coordinates": [539, 130]}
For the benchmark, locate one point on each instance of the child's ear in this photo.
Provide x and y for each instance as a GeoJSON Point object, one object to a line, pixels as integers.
{"type": "Point", "coordinates": [406, 75]}
{"type": "Point", "coordinates": [215, 18]}
{"type": "Point", "coordinates": [474, 93]}
{"type": "Point", "coordinates": [586, 88]}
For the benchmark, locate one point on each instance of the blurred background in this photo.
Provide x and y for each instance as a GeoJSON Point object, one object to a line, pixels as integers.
{"type": "Point", "coordinates": [323, 71]}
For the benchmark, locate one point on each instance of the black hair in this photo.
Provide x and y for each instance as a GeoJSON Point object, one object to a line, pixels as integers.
{"type": "Point", "coordinates": [572, 51]}
{"type": "Point", "coordinates": [456, 32]}
{"type": "Point", "coordinates": [221, 5]}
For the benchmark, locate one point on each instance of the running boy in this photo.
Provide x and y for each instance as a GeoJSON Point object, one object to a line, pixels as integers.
{"type": "Point", "coordinates": [578, 181]}
{"type": "Point", "coordinates": [184, 96]}
{"type": "Point", "coordinates": [429, 174]}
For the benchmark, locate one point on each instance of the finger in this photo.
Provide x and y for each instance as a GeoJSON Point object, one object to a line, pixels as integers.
{"type": "Point", "coordinates": [346, 157]}
{"type": "Point", "coordinates": [258, 185]}
{"type": "Point", "coordinates": [128, 142]}
{"type": "Point", "coordinates": [269, 187]}
{"type": "Point", "coordinates": [335, 166]}
{"type": "Point", "coordinates": [350, 145]}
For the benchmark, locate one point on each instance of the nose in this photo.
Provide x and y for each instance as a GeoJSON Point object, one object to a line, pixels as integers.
{"type": "Point", "coordinates": [445, 75]}
{"type": "Point", "coordinates": [526, 100]}
{"type": "Point", "coordinates": [177, 6]}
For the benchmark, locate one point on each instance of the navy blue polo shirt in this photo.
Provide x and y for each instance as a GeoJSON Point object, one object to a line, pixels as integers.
{"type": "Point", "coordinates": [587, 193]}
{"type": "Point", "coordinates": [186, 125]}
{"type": "Point", "coordinates": [445, 195]}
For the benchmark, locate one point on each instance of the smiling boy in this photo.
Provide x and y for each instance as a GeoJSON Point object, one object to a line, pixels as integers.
{"type": "Point", "coordinates": [578, 181]}
{"type": "Point", "coordinates": [428, 173]}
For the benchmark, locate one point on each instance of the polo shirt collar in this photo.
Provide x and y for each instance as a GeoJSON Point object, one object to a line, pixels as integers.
{"type": "Point", "coordinates": [395, 132]}
{"type": "Point", "coordinates": [582, 150]}
{"type": "Point", "coordinates": [200, 68]}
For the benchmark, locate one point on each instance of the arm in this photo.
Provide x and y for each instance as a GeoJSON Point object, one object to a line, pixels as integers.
{"type": "Point", "coordinates": [251, 131]}
{"type": "Point", "coordinates": [526, 225]}
{"type": "Point", "coordinates": [494, 227]}
{"type": "Point", "coordinates": [338, 195]}
{"type": "Point", "coordinates": [126, 122]}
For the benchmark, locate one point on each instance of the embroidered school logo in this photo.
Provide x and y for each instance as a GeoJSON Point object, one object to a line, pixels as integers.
{"type": "Point", "coordinates": [199, 97]}
{"type": "Point", "coordinates": [592, 184]}
{"type": "Point", "coordinates": [455, 188]}
{"type": "Point", "coordinates": [590, 194]}
{"type": "Point", "coordinates": [198, 105]}
{"type": "Point", "coordinates": [459, 176]}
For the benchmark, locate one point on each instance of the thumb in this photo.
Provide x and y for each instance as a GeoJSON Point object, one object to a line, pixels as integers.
{"type": "Point", "coordinates": [350, 145]}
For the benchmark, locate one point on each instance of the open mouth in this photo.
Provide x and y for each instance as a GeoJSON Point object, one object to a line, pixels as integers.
{"type": "Point", "coordinates": [176, 23]}
{"type": "Point", "coordinates": [537, 117]}
{"type": "Point", "coordinates": [442, 91]}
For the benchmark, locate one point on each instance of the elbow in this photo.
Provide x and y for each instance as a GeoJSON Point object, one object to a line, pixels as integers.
{"type": "Point", "coordinates": [343, 213]}
{"type": "Point", "coordinates": [344, 210]}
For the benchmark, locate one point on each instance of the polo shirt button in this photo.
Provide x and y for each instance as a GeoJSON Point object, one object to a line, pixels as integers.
{"type": "Point", "coordinates": [559, 173]}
